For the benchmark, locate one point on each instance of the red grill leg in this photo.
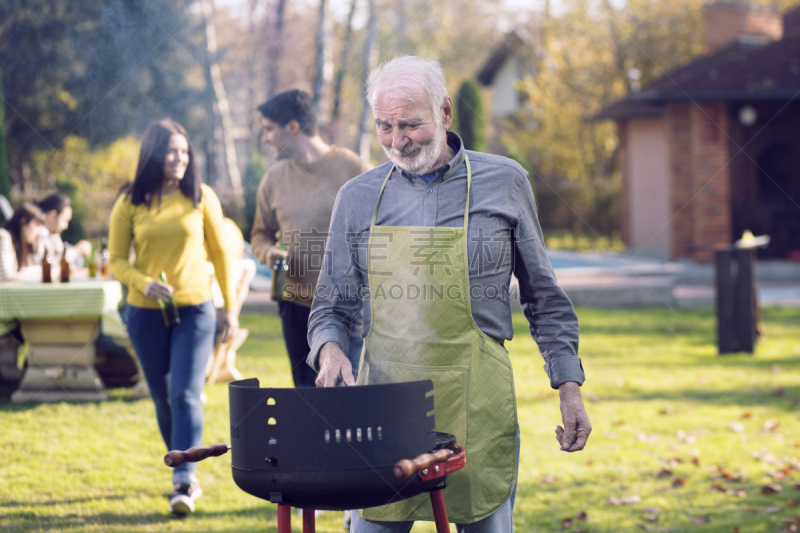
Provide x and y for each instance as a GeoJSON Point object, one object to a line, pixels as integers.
{"type": "Point", "coordinates": [309, 524]}
{"type": "Point", "coordinates": [284, 519]}
{"type": "Point", "coordinates": [439, 511]}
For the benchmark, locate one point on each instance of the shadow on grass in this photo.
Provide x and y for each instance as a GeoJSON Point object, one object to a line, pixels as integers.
{"type": "Point", "coordinates": [31, 521]}
{"type": "Point", "coordinates": [70, 501]}
{"type": "Point", "coordinates": [744, 397]}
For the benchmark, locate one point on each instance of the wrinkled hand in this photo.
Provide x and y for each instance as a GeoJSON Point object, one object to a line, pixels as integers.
{"type": "Point", "coordinates": [573, 436]}
{"type": "Point", "coordinates": [273, 253]}
{"type": "Point", "coordinates": [228, 325]}
{"type": "Point", "coordinates": [158, 290]}
{"type": "Point", "coordinates": [333, 364]}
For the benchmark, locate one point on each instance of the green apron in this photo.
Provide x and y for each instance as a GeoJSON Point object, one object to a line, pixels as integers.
{"type": "Point", "coordinates": [422, 328]}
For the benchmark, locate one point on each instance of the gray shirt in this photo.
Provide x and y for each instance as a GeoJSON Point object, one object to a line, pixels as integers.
{"type": "Point", "coordinates": [504, 238]}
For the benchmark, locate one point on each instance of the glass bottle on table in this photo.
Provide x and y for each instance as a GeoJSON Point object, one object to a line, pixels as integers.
{"type": "Point", "coordinates": [92, 264]}
{"type": "Point", "coordinates": [103, 258]}
{"type": "Point", "coordinates": [47, 275]}
{"type": "Point", "coordinates": [64, 266]}
{"type": "Point", "coordinates": [169, 309]}
{"type": "Point", "coordinates": [278, 278]}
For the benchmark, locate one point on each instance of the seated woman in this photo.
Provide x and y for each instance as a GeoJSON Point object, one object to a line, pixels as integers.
{"type": "Point", "coordinates": [18, 239]}
{"type": "Point", "coordinates": [17, 243]}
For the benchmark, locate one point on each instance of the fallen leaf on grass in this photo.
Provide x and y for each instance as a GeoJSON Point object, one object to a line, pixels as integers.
{"type": "Point", "coordinates": [771, 425]}
{"type": "Point", "coordinates": [730, 476]}
{"type": "Point", "coordinates": [739, 493]}
{"type": "Point", "coordinates": [702, 519]}
{"type": "Point", "coordinates": [582, 516]}
{"type": "Point", "coordinates": [669, 410]}
{"type": "Point", "coordinates": [651, 510]}
{"type": "Point", "coordinates": [772, 488]}
{"type": "Point", "coordinates": [651, 517]}
{"type": "Point", "coordinates": [797, 487]}
{"type": "Point", "coordinates": [779, 474]}
{"type": "Point", "coordinates": [719, 487]}
{"type": "Point", "coordinates": [679, 481]}
{"type": "Point", "coordinates": [771, 510]}
{"type": "Point", "coordinates": [780, 391]}
{"type": "Point", "coordinates": [548, 479]}
{"type": "Point", "coordinates": [625, 500]}
{"type": "Point", "coordinates": [736, 427]}
{"type": "Point", "coordinates": [617, 423]}
{"type": "Point", "coordinates": [664, 472]}
{"type": "Point", "coordinates": [646, 527]}
{"type": "Point", "coordinates": [792, 503]}
{"type": "Point", "coordinates": [590, 462]}
{"type": "Point", "coordinates": [746, 414]}
{"type": "Point", "coordinates": [695, 461]}
{"type": "Point", "coordinates": [567, 523]}
{"type": "Point", "coordinates": [777, 369]}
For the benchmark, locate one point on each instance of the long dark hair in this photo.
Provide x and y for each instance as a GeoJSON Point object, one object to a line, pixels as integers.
{"type": "Point", "coordinates": [55, 202]}
{"type": "Point", "coordinates": [22, 216]}
{"type": "Point", "coordinates": [150, 170]}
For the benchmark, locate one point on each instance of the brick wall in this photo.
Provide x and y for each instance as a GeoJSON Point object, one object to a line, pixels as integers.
{"type": "Point", "coordinates": [700, 172]}
{"type": "Point", "coordinates": [725, 21]}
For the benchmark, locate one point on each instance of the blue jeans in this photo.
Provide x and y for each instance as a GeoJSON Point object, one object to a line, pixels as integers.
{"type": "Point", "coordinates": [174, 364]}
{"type": "Point", "coordinates": [501, 521]}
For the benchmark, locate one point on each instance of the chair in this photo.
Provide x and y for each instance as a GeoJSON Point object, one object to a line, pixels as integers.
{"type": "Point", "coordinates": [221, 366]}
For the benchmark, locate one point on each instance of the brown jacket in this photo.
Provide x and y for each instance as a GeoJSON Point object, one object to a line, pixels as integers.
{"type": "Point", "coordinates": [294, 203]}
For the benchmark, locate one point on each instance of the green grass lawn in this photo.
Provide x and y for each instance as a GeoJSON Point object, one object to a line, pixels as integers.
{"type": "Point", "coordinates": [662, 404]}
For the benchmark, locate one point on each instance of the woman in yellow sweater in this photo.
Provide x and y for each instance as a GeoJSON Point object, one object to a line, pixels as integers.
{"type": "Point", "coordinates": [168, 214]}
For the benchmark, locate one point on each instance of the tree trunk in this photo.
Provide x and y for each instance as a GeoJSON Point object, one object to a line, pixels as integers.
{"type": "Point", "coordinates": [5, 183]}
{"type": "Point", "coordinates": [275, 50]}
{"type": "Point", "coordinates": [362, 143]}
{"type": "Point", "coordinates": [226, 123]}
{"type": "Point", "coordinates": [254, 124]}
{"type": "Point", "coordinates": [339, 79]}
{"type": "Point", "coordinates": [324, 53]}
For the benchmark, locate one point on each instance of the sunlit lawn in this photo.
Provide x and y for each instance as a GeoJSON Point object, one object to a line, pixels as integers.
{"type": "Point", "coordinates": [658, 395]}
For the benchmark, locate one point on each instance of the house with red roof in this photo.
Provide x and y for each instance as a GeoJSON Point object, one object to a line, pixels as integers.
{"type": "Point", "coordinates": [712, 148]}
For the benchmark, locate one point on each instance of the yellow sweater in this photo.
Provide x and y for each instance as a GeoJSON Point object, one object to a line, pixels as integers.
{"type": "Point", "coordinates": [169, 238]}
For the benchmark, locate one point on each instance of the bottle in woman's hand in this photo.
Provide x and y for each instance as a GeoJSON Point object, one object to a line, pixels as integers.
{"type": "Point", "coordinates": [168, 308]}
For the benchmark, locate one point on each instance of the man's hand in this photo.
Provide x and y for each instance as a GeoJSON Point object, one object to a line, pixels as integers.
{"type": "Point", "coordinates": [572, 437]}
{"type": "Point", "coordinates": [273, 253]}
{"type": "Point", "coordinates": [333, 364]}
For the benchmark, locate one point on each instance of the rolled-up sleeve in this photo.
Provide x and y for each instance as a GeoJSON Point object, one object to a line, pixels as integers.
{"type": "Point", "coordinates": [552, 319]}
{"type": "Point", "coordinates": [337, 299]}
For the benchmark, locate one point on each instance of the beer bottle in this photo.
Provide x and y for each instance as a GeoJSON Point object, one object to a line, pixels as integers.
{"type": "Point", "coordinates": [64, 267]}
{"type": "Point", "coordinates": [46, 273]}
{"type": "Point", "coordinates": [92, 265]}
{"type": "Point", "coordinates": [104, 258]}
{"type": "Point", "coordinates": [168, 308]}
{"type": "Point", "coordinates": [278, 278]}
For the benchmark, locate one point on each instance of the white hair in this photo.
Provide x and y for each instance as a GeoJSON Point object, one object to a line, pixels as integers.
{"type": "Point", "coordinates": [405, 75]}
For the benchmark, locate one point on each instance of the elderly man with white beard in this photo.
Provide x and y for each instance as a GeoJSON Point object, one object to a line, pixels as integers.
{"type": "Point", "coordinates": [430, 241]}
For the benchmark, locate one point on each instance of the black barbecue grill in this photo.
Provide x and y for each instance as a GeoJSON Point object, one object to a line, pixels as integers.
{"type": "Point", "coordinates": [335, 448]}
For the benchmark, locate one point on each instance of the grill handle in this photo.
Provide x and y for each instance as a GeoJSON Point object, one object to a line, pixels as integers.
{"type": "Point", "coordinates": [193, 455]}
{"type": "Point", "coordinates": [408, 467]}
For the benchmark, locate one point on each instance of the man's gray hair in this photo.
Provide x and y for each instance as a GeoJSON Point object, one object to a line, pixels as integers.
{"type": "Point", "coordinates": [406, 75]}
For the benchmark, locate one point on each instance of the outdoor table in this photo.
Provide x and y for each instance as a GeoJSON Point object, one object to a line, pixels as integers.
{"type": "Point", "coordinates": [60, 322]}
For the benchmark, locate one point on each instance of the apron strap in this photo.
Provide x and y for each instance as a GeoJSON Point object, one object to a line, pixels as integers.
{"type": "Point", "coordinates": [466, 207]}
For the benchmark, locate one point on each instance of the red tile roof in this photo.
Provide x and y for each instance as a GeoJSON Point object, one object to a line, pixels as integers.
{"type": "Point", "coordinates": [746, 69]}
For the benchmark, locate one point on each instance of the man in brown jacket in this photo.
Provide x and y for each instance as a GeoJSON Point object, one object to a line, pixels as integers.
{"type": "Point", "coordinates": [293, 208]}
